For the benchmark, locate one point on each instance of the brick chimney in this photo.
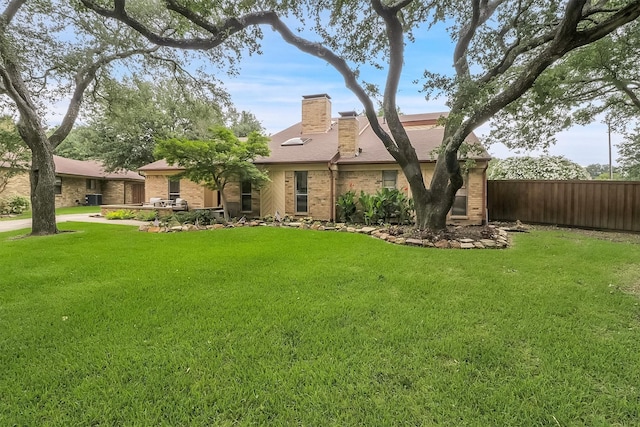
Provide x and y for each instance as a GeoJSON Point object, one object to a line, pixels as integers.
{"type": "Point", "coordinates": [348, 128]}
{"type": "Point", "coordinates": [316, 113]}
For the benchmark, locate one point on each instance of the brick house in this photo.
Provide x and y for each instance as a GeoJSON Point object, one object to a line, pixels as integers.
{"type": "Point", "coordinates": [316, 160]}
{"type": "Point", "coordinates": [77, 179]}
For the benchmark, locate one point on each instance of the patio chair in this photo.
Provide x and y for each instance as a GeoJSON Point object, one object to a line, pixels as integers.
{"type": "Point", "coordinates": [180, 205]}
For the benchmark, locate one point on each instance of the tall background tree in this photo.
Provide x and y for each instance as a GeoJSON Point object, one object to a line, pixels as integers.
{"type": "Point", "coordinates": [542, 167]}
{"type": "Point", "coordinates": [500, 48]}
{"type": "Point", "coordinates": [596, 82]}
{"type": "Point", "coordinates": [52, 54]}
{"type": "Point", "coordinates": [121, 127]}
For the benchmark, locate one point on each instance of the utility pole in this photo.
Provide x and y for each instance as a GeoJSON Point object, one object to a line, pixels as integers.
{"type": "Point", "coordinates": [610, 163]}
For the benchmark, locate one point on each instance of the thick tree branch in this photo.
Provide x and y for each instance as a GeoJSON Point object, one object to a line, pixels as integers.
{"type": "Point", "coordinates": [566, 38]}
{"type": "Point", "coordinates": [234, 25]}
{"type": "Point", "coordinates": [83, 79]}
{"type": "Point", "coordinates": [11, 10]}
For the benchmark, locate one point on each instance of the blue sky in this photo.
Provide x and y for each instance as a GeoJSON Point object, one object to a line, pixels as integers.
{"type": "Point", "coordinates": [272, 85]}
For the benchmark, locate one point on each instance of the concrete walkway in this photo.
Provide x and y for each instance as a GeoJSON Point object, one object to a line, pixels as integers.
{"type": "Point", "coordinates": [17, 224]}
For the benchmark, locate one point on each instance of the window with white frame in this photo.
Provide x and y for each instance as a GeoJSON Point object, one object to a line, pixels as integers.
{"type": "Point", "coordinates": [389, 179]}
{"type": "Point", "coordinates": [245, 196]}
{"type": "Point", "coordinates": [174, 189]}
{"type": "Point", "coordinates": [302, 195]}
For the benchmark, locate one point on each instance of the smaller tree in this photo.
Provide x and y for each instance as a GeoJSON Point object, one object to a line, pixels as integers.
{"type": "Point", "coordinates": [543, 167]}
{"type": "Point", "coordinates": [14, 154]}
{"type": "Point", "coordinates": [217, 161]}
{"type": "Point", "coordinates": [629, 158]}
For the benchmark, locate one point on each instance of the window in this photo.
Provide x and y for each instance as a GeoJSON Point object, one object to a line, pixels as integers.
{"type": "Point", "coordinates": [295, 141]}
{"type": "Point", "coordinates": [245, 195]}
{"type": "Point", "coordinates": [389, 179]}
{"type": "Point", "coordinates": [91, 184]}
{"type": "Point", "coordinates": [58, 185]}
{"type": "Point", "coordinates": [301, 191]}
{"type": "Point", "coordinates": [174, 189]}
{"type": "Point", "coordinates": [459, 207]}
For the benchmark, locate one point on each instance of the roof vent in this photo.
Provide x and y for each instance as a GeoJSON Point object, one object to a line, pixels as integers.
{"type": "Point", "coordinates": [295, 141]}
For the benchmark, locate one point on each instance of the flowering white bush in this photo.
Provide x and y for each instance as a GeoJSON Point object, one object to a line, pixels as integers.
{"type": "Point", "coordinates": [543, 167]}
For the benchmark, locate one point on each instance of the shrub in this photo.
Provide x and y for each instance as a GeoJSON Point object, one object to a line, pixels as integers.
{"type": "Point", "coordinates": [369, 208]}
{"type": "Point", "coordinates": [393, 205]}
{"type": "Point", "coordinates": [147, 215]}
{"type": "Point", "coordinates": [15, 205]}
{"type": "Point", "coordinates": [347, 207]}
{"type": "Point", "coordinates": [121, 214]}
{"type": "Point", "coordinates": [196, 217]}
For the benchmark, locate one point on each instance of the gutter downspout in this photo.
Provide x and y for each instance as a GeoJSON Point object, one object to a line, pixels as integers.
{"type": "Point", "coordinates": [486, 194]}
{"type": "Point", "coordinates": [333, 167]}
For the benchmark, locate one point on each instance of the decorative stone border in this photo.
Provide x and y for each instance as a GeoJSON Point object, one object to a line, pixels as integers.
{"type": "Point", "coordinates": [498, 238]}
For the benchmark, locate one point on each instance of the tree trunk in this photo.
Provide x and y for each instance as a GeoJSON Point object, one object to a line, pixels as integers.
{"type": "Point", "coordinates": [433, 204]}
{"type": "Point", "coordinates": [223, 199]}
{"type": "Point", "coordinates": [42, 176]}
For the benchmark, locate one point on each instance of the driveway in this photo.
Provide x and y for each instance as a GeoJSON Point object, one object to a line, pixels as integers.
{"type": "Point", "coordinates": [17, 224]}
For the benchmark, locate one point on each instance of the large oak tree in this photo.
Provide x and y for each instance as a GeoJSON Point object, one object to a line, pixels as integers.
{"type": "Point", "coordinates": [500, 48]}
{"type": "Point", "coordinates": [51, 53]}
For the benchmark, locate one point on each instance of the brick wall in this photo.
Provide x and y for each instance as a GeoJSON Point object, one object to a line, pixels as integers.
{"type": "Point", "coordinates": [18, 185]}
{"type": "Point", "coordinates": [319, 200]}
{"type": "Point", "coordinates": [113, 192]}
{"type": "Point", "coordinates": [74, 191]}
{"type": "Point", "coordinates": [368, 178]}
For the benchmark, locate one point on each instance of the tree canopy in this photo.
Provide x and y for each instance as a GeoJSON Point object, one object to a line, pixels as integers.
{"type": "Point", "coordinates": [596, 82]}
{"type": "Point", "coordinates": [218, 160]}
{"type": "Point", "coordinates": [543, 167]}
{"type": "Point", "coordinates": [122, 126]}
{"type": "Point", "coordinates": [500, 48]}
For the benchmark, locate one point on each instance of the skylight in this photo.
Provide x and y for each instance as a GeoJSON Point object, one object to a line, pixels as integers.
{"type": "Point", "coordinates": [295, 141]}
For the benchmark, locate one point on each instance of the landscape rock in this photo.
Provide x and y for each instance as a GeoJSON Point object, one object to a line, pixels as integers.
{"type": "Point", "coordinates": [457, 245]}
{"type": "Point", "coordinates": [465, 245]}
{"type": "Point", "coordinates": [442, 244]}
{"type": "Point", "coordinates": [488, 243]}
{"type": "Point", "coordinates": [367, 230]}
{"type": "Point", "coordinates": [414, 242]}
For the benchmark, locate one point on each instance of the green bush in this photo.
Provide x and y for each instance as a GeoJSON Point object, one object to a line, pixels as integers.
{"type": "Point", "coordinates": [147, 215]}
{"type": "Point", "coordinates": [121, 214]}
{"type": "Point", "coordinates": [15, 205]}
{"type": "Point", "coordinates": [387, 205]}
{"type": "Point", "coordinates": [196, 217]}
{"type": "Point", "coordinates": [347, 207]}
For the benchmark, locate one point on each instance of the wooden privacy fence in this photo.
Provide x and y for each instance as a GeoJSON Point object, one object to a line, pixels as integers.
{"type": "Point", "coordinates": [611, 205]}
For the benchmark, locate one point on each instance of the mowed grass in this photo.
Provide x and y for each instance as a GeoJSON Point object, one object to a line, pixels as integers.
{"type": "Point", "coordinates": [59, 211]}
{"type": "Point", "coordinates": [264, 326]}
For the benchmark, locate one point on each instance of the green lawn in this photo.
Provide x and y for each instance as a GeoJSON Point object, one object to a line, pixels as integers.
{"type": "Point", "coordinates": [59, 211]}
{"type": "Point", "coordinates": [264, 326]}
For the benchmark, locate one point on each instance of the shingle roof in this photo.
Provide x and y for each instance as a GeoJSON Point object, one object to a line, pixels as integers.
{"type": "Point", "coordinates": [159, 165]}
{"type": "Point", "coordinates": [422, 129]}
{"type": "Point", "coordinates": [91, 169]}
